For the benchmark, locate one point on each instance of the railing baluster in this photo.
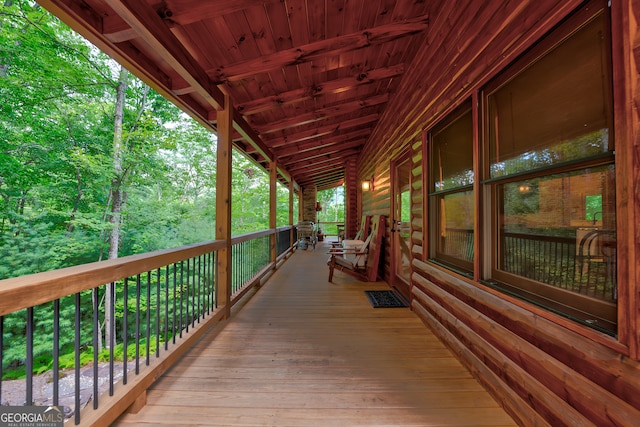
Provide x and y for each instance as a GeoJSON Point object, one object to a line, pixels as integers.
{"type": "Point", "coordinates": [166, 308]}
{"type": "Point", "coordinates": [175, 285]}
{"type": "Point", "coordinates": [29, 357]}
{"type": "Point", "coordinates": [158, 313]}
{"type": "Point", "coordinates": [56, 352]}
{"type": "Point", "coordinates": [148, 319]}
{"type": "Point", "coordinates": [205, 272]}
{"type": "Point", "coordinates": [137, 335]}
{"type": "Point", "coordinates": [181, 294]}
{"type": "Point", "coordinates": [125, 326]}
{"type": "Point", "coordinates": [187, 300]}
{"type": "Point", "coordinates": [199, 287]}
{"type": "Point", "coordinates": [112, 333]}
{"type": "Point", "coordinates": [96, 344]}
{"type": "Point", "coordinates": [77, 346]}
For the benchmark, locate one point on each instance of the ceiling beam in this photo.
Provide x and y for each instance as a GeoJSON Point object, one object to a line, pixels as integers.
{"type": "Point", "coordinates": [154, 31]}
{"type": "Point", "coordinates": [326, 179]}
{"type": "Point", "coordinates": [323, 152]}
{"type": "Point", "coordinates": [181, 12]}
{"type": "Point", "coordinates": [149, 24]}
{"type": "Point", "coordinates": [320, 49]}
{"type": "Point", "coordinates": [322, 114]}
{"type": "Point", "coordinates": [311, 92]}
{"type": "Point", "coordinates": [321, 131]}
{"type": "Point", "coordinates": [349, 141]}
{"type": "Point", "coordinates": [301, 147]}
{"type": "Point", "coordinates": [335, 159]}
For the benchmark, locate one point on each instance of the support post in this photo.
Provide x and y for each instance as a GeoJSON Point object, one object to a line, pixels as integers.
{"type": "Point", "coordinates": [273, 207]}
{"type": "Point", "coordinates": [291, 218]}
{"type": "Point", "coordinates": [223, 204]}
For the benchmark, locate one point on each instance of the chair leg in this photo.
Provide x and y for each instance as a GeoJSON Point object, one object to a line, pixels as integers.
{"type": "Point", "coordinates": [330, 263]}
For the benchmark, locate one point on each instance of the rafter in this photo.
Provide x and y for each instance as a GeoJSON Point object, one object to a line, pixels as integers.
{"type": "Point", "coordinates": [321, 131]}
{"type": "Point", "coordinates": [335, 159]}
{"type": "Point", "coordinates": [180, 12]}
{"type": "Point", "coordinates": [146, 22]}
{"type": "Point", "coordinates": [323, 114]}
{"type": "Point", "coordinates": [300, 148]}
{"type": "Point", "coordinates": [322, 154]}
{"type": "Point", "coordinates": [328, 179]}
{"type": "Point", "coordinates": [311, 92]}
{"type": "Point", "coordinates": [320, 49]}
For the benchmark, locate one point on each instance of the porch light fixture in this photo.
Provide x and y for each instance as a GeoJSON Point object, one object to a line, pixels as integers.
{"type": "Point", "coordinates": [367, 185]}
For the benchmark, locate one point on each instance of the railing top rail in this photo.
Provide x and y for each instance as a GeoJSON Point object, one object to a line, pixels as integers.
{"type": "Point", "coordinates": [250, 236]}
{"type": "Point", "coordinates": [34, 289]}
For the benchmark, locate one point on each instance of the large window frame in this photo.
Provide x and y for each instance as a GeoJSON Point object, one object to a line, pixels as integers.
{"type": "Point", "coordinates": [597, 313]}
{"type": "Point", "coordinates": [451, 181]}
{"type": "Point", "coordinates": [592, 22]}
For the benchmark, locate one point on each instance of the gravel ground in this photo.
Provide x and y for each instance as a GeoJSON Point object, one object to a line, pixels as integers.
{"type": "Point", "coordinates": [13, 392]}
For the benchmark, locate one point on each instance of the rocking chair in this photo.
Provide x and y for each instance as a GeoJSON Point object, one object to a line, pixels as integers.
{"type": "Point", "coordinates": [361, 262]}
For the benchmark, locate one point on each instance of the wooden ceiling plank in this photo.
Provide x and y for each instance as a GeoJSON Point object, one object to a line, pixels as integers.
{"type": "Point", "coordinates": [238, 41]}
{"type": "Point", "coordinates": [310, 92]}
{"type": "Point", "coordinates": [298, 24]}
{"type": "Point", "coordinates": [335, 17]}
{"type": "Point", "coordinates": [260, 29]}
{"type": "Point", "coordinates": [320, 49]}
{"type": "Point", "coordinates": [279, 27]}
{"type": "Point", "coordinates": [155, 32]}
{"type": "Point", "coordinates": [316, 16]}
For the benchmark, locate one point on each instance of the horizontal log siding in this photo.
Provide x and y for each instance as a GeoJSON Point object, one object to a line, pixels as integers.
{"type": "Point", "coordinates": [542, 372]}
{"type": "Point", "coordinates": [418, 199]}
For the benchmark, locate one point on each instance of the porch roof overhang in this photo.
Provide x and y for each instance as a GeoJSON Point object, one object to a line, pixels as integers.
{"type": "Point", "coordinates": [308, 80]}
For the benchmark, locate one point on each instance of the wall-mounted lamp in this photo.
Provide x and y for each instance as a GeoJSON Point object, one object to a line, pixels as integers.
{"type": "Point", "coordinates": [367, 185]}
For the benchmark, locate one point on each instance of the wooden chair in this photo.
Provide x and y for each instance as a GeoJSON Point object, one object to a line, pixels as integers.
{"type": "Point", "coordinates": [369, 251]}
{"type": "Point", "coordinates": [363, 232]}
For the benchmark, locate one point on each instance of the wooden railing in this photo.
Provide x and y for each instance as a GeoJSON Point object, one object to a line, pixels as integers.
{"type": "Point", "coordinates": [162, 303]}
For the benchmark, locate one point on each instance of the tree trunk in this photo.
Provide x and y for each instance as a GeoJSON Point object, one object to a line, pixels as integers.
{"type": "Point", "coordinates": [116, 192]}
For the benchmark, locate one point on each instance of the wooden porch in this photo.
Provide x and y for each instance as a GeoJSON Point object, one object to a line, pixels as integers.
{"type": "Point", "coordinates": [300, 351]}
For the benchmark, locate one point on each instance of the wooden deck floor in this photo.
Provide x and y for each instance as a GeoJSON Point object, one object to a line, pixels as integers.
{"type": "Point", "coordinates": [305, 352]}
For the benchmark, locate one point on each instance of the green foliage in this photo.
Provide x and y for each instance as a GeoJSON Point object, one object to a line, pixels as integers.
{"type": "Point", "coordinates": [56, 172]}
{"type": "Point", "coordinates": [332, 202]}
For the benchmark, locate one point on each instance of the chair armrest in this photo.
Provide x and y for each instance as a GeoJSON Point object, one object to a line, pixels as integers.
{"type": "Point", "coordinates": [346, 252]}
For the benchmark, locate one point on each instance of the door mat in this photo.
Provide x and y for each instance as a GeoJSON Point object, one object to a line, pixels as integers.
{"type": "Point", "coordinates": [384, 299]}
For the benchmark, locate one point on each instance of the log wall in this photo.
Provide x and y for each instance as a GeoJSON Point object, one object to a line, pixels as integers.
{"type": "Point", "coordinates": [544, 369]}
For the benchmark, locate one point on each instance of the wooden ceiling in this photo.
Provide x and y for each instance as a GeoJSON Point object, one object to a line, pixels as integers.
{"type": "Point", "coordinates": [308, 79]}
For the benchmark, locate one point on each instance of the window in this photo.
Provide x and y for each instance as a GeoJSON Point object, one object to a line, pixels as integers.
{"type": "Point", "coordinates": [550, 176]}
{"type": "Point", "coordinates": [451, 197]}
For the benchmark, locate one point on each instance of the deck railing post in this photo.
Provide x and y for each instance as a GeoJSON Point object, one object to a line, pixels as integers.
{"type": "Point", "coordinates": [291, 218]}
{"type": "Point", "coordinates": [273, 208]}
{"type": "Point", "coordinates": [223, 204]}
